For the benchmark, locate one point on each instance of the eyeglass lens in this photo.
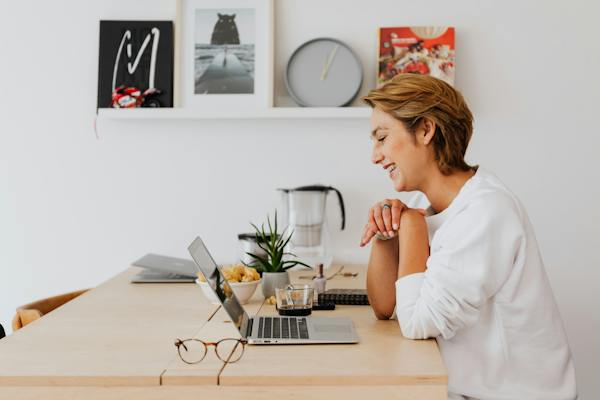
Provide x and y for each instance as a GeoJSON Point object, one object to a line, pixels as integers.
{"type": "Point", "coordinates": [229, 350]}
{"type": "Point", "coordinates": [192, 351]}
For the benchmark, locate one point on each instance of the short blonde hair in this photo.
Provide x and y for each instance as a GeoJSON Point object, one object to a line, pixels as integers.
{"type": "Point", "coordinates": [410, 97]}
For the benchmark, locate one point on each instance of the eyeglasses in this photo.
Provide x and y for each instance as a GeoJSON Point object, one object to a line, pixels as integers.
{"type": "Point", "coordinates": [192, 351]}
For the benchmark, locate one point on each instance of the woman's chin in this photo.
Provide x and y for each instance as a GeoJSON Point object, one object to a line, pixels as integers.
{"type": "Point", "coordinates": [398, 185]}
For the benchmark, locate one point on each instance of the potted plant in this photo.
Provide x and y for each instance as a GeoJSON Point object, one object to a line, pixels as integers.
{"type": "Point", "coordinates": [273, 265]}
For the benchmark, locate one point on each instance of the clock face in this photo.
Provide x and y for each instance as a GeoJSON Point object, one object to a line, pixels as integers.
{"type": "Point", "coordinates": [323, 73]}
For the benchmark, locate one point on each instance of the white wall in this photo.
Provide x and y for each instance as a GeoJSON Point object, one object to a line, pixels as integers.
{"type": "Point", "coordinates": [75, 210]}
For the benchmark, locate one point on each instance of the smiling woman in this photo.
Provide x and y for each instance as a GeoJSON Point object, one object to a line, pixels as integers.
{"type": "Point", "coordinates": [464, 267]}
{"type": "Point", "coordinates": [416, 101]}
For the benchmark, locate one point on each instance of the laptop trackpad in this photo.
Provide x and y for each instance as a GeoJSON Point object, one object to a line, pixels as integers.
{"type": "Point", "coordinates": [332, 325]}
{"type": "Point", "coordinates": [332, 328]}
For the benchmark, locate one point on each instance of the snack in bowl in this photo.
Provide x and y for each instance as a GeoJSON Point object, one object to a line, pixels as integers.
{"type": "Point", "coordinates": [243, 281]}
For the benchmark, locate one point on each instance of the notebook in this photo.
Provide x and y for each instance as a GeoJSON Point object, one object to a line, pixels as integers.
{"type": "Point", "coordinates": [345, 296]}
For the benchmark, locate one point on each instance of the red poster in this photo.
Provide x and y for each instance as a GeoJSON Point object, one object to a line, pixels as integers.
{"type": "Point", "coordinates": [427, 50]}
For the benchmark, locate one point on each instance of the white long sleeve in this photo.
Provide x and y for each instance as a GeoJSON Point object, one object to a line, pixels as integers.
{"type": "Point", "coordinates": [465, 269]}
{"type": "Point", "coordinates": [486, 299]}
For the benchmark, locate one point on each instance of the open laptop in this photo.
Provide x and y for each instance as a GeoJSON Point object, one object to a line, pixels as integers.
{"type": "Point", "coordinates": [270, 330]}
{"type": "Point", "coordinates": [164, 269]}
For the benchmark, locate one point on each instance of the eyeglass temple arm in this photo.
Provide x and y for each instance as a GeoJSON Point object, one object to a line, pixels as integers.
{"type": "Point", "coordinates": [179, 342]}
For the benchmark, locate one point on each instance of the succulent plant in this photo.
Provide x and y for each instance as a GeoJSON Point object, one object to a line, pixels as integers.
{"type": "Point", "coordinates": [273, 245]}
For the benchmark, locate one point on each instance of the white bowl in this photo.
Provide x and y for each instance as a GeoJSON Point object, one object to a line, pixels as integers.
{"type": "Point", "coordinates": [243, 290]}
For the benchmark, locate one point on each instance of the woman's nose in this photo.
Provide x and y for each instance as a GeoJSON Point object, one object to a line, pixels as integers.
{"type": "Point", "coordinates": [376, 156]}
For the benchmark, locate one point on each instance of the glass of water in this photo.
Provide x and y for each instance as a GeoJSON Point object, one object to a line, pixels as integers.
{"type": "Point", "coordinates": [295, 300]}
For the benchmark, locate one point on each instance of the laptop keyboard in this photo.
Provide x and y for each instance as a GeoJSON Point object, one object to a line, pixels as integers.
{"type": "Point", "coordinates": [282, 328]}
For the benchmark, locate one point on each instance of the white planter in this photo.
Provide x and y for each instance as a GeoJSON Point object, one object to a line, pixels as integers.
{"type": "Point", "coordinates": [273, 280]}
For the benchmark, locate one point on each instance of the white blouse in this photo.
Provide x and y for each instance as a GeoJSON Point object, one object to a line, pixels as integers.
{"type": "Point", "coordinates": [486, 299]}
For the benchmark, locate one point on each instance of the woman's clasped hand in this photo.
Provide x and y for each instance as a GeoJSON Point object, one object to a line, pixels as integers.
{"type": "Point", "coordinates": [384, 220]}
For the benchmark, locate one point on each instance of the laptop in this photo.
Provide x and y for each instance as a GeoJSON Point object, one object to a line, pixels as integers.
{"type": "Point", "coordinates": [270, 329]}
{"type": "Point", "coordinates": [164, 269]}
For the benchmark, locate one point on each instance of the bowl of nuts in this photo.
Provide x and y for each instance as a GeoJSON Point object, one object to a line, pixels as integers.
{"type": "Point", "coordinates": [242, 280]}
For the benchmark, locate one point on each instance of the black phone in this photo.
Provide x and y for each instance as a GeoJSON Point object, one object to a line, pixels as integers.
{"type": "Point", "coordinates": [328, 305]}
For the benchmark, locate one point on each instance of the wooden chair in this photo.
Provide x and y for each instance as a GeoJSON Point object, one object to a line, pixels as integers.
{"type": "Point", "coordinates": [32, 311]}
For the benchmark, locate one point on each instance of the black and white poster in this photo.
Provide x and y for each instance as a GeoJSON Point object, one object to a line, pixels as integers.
{"type": "Point", "coordinates": [136, 54]}
{"type": "Point", "coordinates": [224, 51]}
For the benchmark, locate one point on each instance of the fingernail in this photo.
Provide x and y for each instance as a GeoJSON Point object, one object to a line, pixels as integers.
{"type": "Point", "coordinates": [391, 234]}
{"type": "Point", "coordinates": [395, 227]}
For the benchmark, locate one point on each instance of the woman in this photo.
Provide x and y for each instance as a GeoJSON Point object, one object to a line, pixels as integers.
{"type": "Point", "coordinates": [463, 266]}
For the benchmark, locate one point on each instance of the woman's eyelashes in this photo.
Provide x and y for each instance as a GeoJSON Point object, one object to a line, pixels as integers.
{"type": "Point", "coordinates": [381, 139]}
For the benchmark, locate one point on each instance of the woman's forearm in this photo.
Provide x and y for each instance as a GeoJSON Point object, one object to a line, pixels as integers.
{"type": "Point", "coordinates": [414, 244]}
{"type": "Point", "coordinates": [381, 277]}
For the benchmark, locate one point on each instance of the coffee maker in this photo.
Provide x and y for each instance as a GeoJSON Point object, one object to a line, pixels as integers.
{"type": "Point", "coordinates": [304, 213]}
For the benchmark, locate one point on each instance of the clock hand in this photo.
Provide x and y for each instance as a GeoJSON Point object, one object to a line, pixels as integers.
{"type": "Point", "coordinates": [329, 61]}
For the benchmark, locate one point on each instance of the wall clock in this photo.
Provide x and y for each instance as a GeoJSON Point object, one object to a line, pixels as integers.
{"type": "Point", "coordinates": [323, 72]}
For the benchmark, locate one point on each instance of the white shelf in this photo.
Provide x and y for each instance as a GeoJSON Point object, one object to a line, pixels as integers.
{"type": "Point", "coordinates": [271, 113]}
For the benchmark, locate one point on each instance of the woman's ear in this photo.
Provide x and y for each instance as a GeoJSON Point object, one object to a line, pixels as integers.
{"type": "Point", "coordinates": [428, 130]}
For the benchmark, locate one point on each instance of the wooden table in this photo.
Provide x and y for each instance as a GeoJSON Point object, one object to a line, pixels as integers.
{"type": "Point", "coordinates": [116, 342]}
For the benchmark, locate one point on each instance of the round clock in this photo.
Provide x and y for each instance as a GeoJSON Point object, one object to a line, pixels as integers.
{"type": "Point", "coordinates": [323, 72]}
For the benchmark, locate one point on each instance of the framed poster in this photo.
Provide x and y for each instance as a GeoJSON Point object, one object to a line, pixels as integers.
{"type": "Point", "coordinates": [136, 54]}
{"type": "Point", "coordinates": [427, 50]}
{"type": "Point", "coordinates": [224, 54]}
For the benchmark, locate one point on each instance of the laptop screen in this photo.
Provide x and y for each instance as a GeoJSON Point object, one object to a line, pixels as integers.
{"type": "Point", "coordinates": [217, 282]}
